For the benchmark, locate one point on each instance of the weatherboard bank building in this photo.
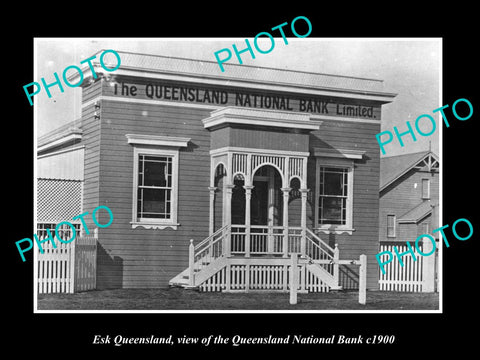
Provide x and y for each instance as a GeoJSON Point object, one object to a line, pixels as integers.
{"type": "Point", "coordinates": [216, 178]}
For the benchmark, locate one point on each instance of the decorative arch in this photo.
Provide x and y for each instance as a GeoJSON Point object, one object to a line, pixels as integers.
{"type": "Point", "coordinates": [280, 172]}
{"type": "Point", "coordinates": [237, 174]}
{"type": "Point", "coordinates": [293, 177]}
{"type": "Point", "coordinates": [219, 172]}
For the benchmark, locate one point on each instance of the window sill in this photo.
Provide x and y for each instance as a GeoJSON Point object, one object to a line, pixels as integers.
{"type": "Point", "coordinates": [334, 230]}
{"type": "Point", "coordinates": [154, 225]}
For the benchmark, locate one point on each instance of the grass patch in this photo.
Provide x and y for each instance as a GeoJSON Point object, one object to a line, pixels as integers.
{"type": "Point", "coordinates": [181, 299]}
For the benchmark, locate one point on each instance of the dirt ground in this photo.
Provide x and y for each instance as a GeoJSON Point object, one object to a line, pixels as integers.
{"type": "Point", "coordinates": [181, 299]}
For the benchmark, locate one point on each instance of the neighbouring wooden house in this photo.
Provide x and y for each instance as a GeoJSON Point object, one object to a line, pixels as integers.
{"type": "Point", "coordinates": [60, 170]}
{"type": "Point", "coordinates": [409, 200]}
{"type": "Point", "coordinates": [215, 178]}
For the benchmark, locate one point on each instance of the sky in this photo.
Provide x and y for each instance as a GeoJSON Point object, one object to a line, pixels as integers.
{"type": "Point", "coordinates": [409, 67]}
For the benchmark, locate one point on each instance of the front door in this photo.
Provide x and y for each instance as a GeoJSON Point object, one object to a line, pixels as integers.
{"type": "Point", "coordinates": [259, 209]}
{"type": "Point", "coordinates": [259, 203]}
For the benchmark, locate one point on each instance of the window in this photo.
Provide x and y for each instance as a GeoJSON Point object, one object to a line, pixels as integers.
{"type": "Point", "coordinates": [155, 180]}
{"type": "Point", "coordinates": [391, 226]}
{"type": "Point", "coordinates": [334, 192]}
{"type": "Point", "coordinates": [425, 188]}
{"type": "Point", "coordinates": [154, 198]}
{"type": "Point", "coordinates": [155, 188]}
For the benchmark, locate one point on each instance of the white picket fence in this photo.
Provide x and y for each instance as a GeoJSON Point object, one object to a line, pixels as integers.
{"type": "Point", "coordinates": [414, 276]}
{"type": "Point", "coordinates": [244, 277]}
{"type": "Point", "coordinates": [68, 268]}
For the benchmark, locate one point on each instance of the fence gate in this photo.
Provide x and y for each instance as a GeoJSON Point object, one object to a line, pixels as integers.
{"type": "Point", "coordinates": [69, 267]}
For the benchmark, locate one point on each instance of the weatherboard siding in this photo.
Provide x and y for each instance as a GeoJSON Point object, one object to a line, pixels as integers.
{"type": "Point", "coordinates": [364, 240]}
{"type": "Point", "coordinates": [150, 257]}
{"type": "Point", "coordinates": [91, 142]}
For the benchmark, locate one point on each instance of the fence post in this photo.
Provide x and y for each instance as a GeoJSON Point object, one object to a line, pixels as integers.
{"type": "Point", "coordinates": [362, 291]}
{"type": "Point", "coordinates": [191, 263]}
{"type": "Point", "coordinates": [293, 279]}
{"type": "Point", "coordinates": [95, 234]}
{"type": "Point", "coordinates": [428, 268]}
{"type": "Point", "coordinates": [73, 263]}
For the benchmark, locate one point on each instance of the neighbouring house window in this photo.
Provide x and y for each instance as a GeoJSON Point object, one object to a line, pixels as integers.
{"type": "Point", "coordinates": [425, 228]}
{"type": "Point", "coordinates": [391, 226]}
{"type": "Point", "coordinates": [334, 185]}
{"type": "Point", "coordinates": [425, 188]}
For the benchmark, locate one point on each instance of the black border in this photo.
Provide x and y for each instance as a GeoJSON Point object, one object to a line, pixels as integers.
{"type": "Point", "coordinates": [56, 335]}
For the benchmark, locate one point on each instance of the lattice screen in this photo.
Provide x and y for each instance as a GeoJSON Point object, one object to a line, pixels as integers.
{"type": "Point", "coordinates": [58, 200]}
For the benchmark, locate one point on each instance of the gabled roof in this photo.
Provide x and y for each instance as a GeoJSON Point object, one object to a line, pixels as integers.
{"type": "Point", "coordinates": [392, 167]}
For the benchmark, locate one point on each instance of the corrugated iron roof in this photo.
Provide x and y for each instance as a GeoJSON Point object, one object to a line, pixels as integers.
{"type": "Point", "coordinates": [73, 126]}
{"type": "Point", "coordinates": [210, 69]}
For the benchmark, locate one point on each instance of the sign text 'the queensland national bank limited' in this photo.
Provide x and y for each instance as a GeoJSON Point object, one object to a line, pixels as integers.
{"type": "Point", "coordinates": [214, 96]}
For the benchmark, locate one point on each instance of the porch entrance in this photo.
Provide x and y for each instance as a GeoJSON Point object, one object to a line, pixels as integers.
{"type": "Point", "coordinates": [266, 201]}
{"type": "Point", "coordinates": [258, 176]}
{"type": "Point", "coordinates": [257, 158]}
{"type": "Point", "coordinates": [256, 233]}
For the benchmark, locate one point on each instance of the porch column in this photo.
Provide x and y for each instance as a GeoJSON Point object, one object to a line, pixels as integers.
{"type": "Point", "coordinates": [248, 196]}
{"type": "Point", "coordinates": [286, 196]}
{"type": "Point", "coordinates": [228, 218]}
{"type": "Point", "coordinates": [211, 224]}
{"type": "Point", "coordinates": [303, 221]}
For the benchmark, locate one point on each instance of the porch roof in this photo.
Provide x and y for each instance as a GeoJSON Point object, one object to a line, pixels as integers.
{"type": "Point", "coordinates": [417, 213]}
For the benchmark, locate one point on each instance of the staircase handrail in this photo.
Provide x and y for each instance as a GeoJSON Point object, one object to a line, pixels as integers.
{"type": "Point", "coordinates": [208, 240]}
{"type": "Point", "coordinates": [329, 251]}
{"type": "Point", "coordinates": [332, 267]}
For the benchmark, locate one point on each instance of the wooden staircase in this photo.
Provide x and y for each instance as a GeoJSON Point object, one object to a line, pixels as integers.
{"type": "Point", "coordinates": [212, 267]}
{"type": "Point", "coordinates": [209, 269]}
